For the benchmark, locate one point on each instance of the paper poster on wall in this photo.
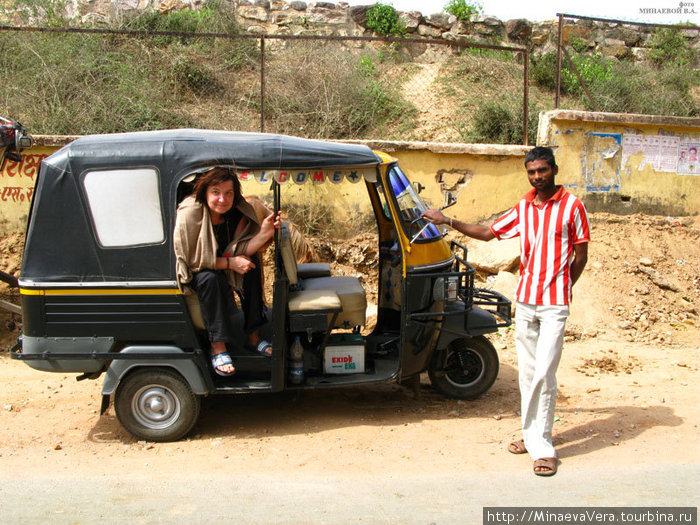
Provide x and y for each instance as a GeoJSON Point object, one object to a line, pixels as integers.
{"type": "Point", "coordinates": [658, 151]}
{"type": "Point", "coordinates": [688, 157]}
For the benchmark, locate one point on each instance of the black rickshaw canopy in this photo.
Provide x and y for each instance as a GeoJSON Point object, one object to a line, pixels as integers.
{"type": "Point", "coordinates": [64, 245]}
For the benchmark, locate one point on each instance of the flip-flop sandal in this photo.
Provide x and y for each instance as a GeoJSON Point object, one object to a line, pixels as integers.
{"type": "Point", "coordinates": [222, 359]}
{"type": "Point", "coordinates": [264, 348]}
{"type": "Point", "coordinates": [547, 463]}
{"type": "Point", "coordinates": [517, 447]}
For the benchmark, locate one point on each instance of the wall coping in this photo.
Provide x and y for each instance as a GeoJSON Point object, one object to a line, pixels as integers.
{"type": "Point", "coordinates": [54, 140]}
{"type": "Point", "coordinates": [387, 146]}
{"type": "Point", "coordinates": [547, 117]}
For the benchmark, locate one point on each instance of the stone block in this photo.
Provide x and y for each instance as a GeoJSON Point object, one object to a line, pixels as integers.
{"type": "Point", "coordinates": [322, 15]}
{"type": "Point", "coordinates": [411, 20]}
{"type": "Point", "coordinates": [359, 14]}
{"type": "Point", "coordinates": [441, 20]}
{"type": "Point", "coordinates": [251, 12]}
{"type": "Point", "coordinates": [431, 32]}
{"type": "Point", "coordinates": [616, 51]}
{"type": "Point", "coordinates": [495, 256]}
{"type": "Point", "coordinates": [571, 33]}
{"type": "Point", "coordinates": [518, 30]}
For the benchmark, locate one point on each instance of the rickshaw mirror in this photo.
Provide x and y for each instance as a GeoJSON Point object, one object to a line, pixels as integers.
{"type": "Point", "coordinates": [450, 200]}
{"type": "Point", "coordinates": [418, 187]}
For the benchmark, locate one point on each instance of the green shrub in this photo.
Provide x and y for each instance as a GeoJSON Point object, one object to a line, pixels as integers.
{"type": "Point", "coordinates": [501, 122]}
{"type": "Point", "coordinates": [316, 91]}
{"type": "Point", "coordinates": [462, 9]}
{"type": "Point", "coordinates": [383, 19]}
{"type": "Point", "coordinates": [46, 13]}
{"type": "Point", "coordinates": [193, 76]}
{"type": "Point", "coordinates": [593, 68]}
{"type": "Point", "coordinates": [543, 70]}
{"type": "Point", "coordinates": [668, 47]}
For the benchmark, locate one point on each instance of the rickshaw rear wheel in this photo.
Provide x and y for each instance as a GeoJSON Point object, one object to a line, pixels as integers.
{"type": "Point", "coordinates": [465, 369]}
{"type": "Point", "coordinates": [156, 404]}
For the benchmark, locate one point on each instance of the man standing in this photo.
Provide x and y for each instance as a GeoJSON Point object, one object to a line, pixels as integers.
{"type": "Point", "coordinates": [554, 235]}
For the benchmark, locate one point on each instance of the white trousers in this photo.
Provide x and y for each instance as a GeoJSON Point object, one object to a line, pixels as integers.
{"type": "Point", "coordinates": [539, 335]}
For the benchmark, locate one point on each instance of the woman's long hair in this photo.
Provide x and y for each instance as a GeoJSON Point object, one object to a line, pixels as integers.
{"type": "Point", "coordinates": [216, 176]}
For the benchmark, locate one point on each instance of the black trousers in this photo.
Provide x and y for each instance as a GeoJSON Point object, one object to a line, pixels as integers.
{"type": "Point", "coordinates": [218, 305]}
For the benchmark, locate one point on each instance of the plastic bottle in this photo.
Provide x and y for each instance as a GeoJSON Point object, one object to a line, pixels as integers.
{"type": "Point", "coordinates": [296, 362]}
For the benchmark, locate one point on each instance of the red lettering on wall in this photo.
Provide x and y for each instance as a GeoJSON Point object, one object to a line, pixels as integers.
{"type": "Point", "coordinates": [16, 194]}
{"type": "Point", "coordinates": [29, 167]}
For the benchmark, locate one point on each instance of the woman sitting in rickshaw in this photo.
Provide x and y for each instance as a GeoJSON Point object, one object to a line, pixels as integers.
{"type": "Point", "coordinates": [217, 237]}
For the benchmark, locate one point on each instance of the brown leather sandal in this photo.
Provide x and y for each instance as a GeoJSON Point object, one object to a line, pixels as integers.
{"type": "Point", "coordinates": [545, 467]}
{"type": "Point", "coordinates": [517, 447]}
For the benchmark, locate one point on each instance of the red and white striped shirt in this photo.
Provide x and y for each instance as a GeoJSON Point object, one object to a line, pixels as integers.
{"type": "Point", "coordinates": [548, 234]}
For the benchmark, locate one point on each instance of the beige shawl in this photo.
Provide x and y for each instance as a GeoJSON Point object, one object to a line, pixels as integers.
{"type": "Point", "coordinates": [195, 243]}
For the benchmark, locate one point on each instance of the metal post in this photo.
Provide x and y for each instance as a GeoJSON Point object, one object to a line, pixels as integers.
{"type": "Point", "coordinates": [560, 40]}
{"type": "Point", "coordinates": [262, 84]}
{"type": "Point", "coordinates": [526, 95]}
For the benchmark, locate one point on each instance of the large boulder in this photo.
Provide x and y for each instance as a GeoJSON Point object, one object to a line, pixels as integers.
{"type": "Point", "coordinates": [505, 284]}
{"type": "Point", "coordinates": [495, 256]}
{"type": "Point", "coordinates": [519, 30]}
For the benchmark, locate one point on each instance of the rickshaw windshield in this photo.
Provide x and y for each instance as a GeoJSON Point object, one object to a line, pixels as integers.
{"type": "Point", "coordinates": [411, 207]}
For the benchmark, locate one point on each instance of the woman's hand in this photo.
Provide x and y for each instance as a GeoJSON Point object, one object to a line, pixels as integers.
{"type": "Point", "coordinates": [269, 224]}
{"type": "Point", "coordinates": [240, 264]}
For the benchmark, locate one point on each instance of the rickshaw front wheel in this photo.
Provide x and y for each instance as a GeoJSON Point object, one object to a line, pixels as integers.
{"type": "Point", "coordinates": [156, 404]}
{"type": "Point", "coordinates": [465, 369]}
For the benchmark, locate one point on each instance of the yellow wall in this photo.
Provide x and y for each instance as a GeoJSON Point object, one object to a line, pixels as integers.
{"type": "Point", "coordinates": [17, 187]}
{"type": "Point", "coordinates": [486, 179]}
{"type": "Point", "coordinates": [483, 181]}
{"type": "Point", "coordinates": [597, 161]}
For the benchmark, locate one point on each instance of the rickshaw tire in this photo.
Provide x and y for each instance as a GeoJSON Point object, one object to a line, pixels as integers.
{"type": "Point", "coordinates": [156, 404]}
{"type": "Point", "coordinates": [467, 376]}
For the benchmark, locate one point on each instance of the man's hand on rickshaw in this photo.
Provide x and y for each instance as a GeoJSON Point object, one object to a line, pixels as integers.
{"type": "Point", "coordinates": [435, 216]}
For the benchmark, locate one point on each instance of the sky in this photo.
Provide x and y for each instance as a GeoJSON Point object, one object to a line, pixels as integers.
{"type": "Point", "coordinates": [539, 10]}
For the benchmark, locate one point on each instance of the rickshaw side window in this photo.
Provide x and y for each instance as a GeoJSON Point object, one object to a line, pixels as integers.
{"type": "Point", "coordinates": [382, 200]}
{"type": "Point", "coordinates": [125, 206]}
{"type": "Point", "coordinates": [410, 206]}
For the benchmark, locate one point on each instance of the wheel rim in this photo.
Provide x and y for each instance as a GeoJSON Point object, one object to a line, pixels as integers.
{"type": "Point", "coordinates": [464, 367]}
{"type": "Point", "coordinates": [155, 407]}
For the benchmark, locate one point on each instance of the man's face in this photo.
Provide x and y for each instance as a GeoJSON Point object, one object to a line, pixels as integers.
{"type": "Point", "coordinates": [541, 175]}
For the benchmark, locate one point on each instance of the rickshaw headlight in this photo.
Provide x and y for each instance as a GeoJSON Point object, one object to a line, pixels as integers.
{"type": "Point", "coordinates": [445, 289]}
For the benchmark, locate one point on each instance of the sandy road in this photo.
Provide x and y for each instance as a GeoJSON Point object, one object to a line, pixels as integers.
{"type": "Point", "coordinates": [372, 455]}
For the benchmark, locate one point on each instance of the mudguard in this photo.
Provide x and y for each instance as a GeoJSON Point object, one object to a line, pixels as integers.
{"type": "Point", "coordinates": [473, 322]}
{"type": "Point", "coordinates": [187, 368]}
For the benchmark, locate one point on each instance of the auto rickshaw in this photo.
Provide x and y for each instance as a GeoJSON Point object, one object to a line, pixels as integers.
{"type": "Point", "coordinates": [99, 293]}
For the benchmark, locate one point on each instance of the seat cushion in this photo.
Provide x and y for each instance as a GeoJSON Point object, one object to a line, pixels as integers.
{"type": "Point", "coordinates": [314, 300]}
{"type": "Point", "coordinates": [351, 294]}
{"type": "Point", "coordinates": [309, 270]}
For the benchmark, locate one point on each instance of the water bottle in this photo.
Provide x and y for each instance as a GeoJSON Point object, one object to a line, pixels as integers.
{"type": "Point", "coordinates": [296, 362]}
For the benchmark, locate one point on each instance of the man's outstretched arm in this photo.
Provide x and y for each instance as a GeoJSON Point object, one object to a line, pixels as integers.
{"type": "Point", "coordinates": [475, 231]}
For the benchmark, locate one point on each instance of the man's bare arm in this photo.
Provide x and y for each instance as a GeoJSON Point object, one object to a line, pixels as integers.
{"type": "Point", "coordinates": [579, 262]}
{"type": "Point", "coordinates": [476, 231]}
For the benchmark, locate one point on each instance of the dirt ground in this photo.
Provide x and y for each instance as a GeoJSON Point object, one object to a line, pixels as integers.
{"type": "Point", "coordinates": [628, 387]}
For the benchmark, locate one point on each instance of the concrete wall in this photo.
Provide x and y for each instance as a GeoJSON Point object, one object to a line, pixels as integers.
{"type": "Point", "coordinates": [615, 163]}
{"type": "Point", "coordinates": [486, 179]}
{"type": "Point", "coordinates": [622, 163]}
{"type": "Point", "coordinates": [17, 182]}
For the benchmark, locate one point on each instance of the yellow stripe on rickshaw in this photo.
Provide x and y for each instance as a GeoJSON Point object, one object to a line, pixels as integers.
{"type": "Point", "coordinates": [101, 291]}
